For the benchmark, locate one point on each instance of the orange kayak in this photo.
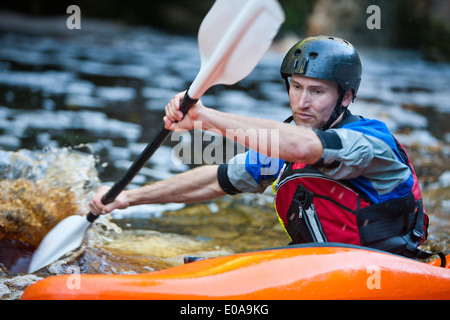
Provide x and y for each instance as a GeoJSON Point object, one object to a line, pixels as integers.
{"type": "Point", "coordinates": [298, 272]}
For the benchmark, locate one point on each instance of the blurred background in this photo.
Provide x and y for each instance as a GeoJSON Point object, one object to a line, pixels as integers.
{"type": "Point", "coordinates": [78, 106]}
{"type": "Point", "coordinates": [414, 24]}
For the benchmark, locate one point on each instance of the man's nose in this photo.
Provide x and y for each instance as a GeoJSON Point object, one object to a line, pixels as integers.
{"type": "Point", "coordinates": [305, 100]}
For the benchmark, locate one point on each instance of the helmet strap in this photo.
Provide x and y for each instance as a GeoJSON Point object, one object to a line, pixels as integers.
{"type": "Point", "coordinates": [338, 110]}
{"type": "Point", "coordinates": [287, 83]}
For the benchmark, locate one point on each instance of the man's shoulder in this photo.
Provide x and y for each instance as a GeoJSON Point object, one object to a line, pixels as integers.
{"type": "Point", "coordinates": [372, 127]}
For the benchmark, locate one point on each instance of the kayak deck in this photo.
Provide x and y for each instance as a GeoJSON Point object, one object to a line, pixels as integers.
{"type": "Point", "coordinates": [302, 272]}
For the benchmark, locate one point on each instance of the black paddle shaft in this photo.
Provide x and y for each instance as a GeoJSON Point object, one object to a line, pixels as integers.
{"type": "Point", "coordinates": [137, 165]}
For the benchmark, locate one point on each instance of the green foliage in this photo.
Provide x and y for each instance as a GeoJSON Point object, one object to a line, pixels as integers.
{"type": "Point", "coordinates": [297, 12]}
{"type": "Point", "coordinates": [420, 29]}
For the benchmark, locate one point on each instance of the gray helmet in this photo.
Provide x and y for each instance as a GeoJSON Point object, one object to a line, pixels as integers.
{"type": "Point", "coordinates": [324, 57]}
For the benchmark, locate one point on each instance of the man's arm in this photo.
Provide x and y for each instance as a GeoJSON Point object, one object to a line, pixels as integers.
{"type": "Point", "coordinates": [271, 138]}
{"type": "Point", "coordinates": [199, 184]}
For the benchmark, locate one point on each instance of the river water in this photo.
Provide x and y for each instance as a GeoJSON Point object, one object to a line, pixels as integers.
{"type": "Point", "coordinates": [77, 107]}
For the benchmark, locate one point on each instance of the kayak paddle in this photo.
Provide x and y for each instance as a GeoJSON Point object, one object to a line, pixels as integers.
{"type": "Point", "coordinates": [232, 39]}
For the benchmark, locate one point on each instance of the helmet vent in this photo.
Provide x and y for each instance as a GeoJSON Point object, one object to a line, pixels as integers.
{"type": "Point", "coordinates": [297, 52]}
{"type": "Point", "coordinates": [313, 55]}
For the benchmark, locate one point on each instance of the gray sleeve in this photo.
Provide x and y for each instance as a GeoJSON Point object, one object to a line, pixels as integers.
{"type": "Point", "coordinates": [240, 178]}
{"type": "Point", "coordinates": [362, 155]}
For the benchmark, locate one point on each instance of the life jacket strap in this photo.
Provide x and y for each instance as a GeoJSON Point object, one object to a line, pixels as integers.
{"type": "Point", "coordinates": [420, 254]}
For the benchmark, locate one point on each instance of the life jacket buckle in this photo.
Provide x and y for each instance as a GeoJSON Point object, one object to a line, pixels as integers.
{"type": "Point", "coordinates": [417, 234]}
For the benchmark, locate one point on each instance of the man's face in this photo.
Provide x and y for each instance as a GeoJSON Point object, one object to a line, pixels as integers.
{"type": "Point", "coordinates": [312, 100]}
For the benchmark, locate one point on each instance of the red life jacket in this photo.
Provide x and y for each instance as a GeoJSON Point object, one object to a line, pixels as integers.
{"type": "Point", "coordinates": [315, 208]}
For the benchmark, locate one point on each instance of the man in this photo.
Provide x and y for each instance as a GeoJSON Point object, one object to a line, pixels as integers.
{"type": "Point", "coordinates": [342, 178]}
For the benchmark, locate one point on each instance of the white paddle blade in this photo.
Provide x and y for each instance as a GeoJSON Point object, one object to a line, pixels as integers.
{"type": "Point", "coordinates": [233, 38]}
{"type": "Point", "coordinates": [63, 238]}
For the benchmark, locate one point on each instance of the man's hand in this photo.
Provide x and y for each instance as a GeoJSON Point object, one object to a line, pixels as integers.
{"type": "Point", "coordinates": [97, 207]}
{"type": "Point", "coordinates": [174, 119]}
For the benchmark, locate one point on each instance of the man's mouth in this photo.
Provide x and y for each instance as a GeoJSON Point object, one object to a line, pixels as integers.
{"type": "Point", "coordinates": [304, 116]}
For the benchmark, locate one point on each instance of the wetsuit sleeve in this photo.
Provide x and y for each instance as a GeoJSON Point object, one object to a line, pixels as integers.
{"type": "Point", "coordinates": [224, 181]}
{"type": "Point", "coordinates": [350, 154]}
{"type": "Point", "coordinates": [248, 172]}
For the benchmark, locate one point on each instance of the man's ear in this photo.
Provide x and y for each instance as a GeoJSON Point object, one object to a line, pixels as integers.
{"type": "Point", "coordinates": [348, 97]}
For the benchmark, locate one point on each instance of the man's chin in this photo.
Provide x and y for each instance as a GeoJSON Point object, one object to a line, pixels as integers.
{"type": "Point", "coordinates": [303, 123]}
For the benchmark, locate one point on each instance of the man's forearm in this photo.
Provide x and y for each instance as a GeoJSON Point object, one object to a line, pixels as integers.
{"type": "Point", "coordinates": [272, 138]}
{"type": "Point", "coordinates": [199, 184]}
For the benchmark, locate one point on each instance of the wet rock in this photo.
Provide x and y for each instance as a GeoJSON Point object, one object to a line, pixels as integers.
{"type": "Point", "coordinates": [12, 288]}
{"type": "Point", "coordinates": [29, 210]}
{"type": "Point", "coordinates": [328, 15]}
